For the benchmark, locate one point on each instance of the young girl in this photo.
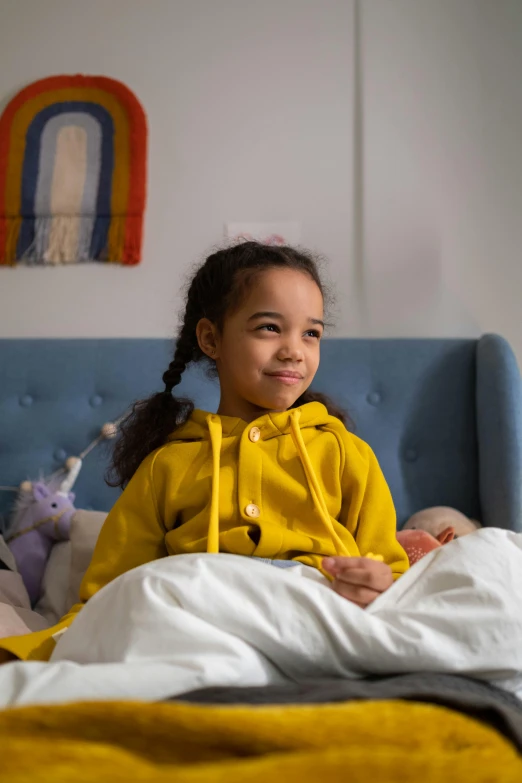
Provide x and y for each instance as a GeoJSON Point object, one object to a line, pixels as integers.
{"type": "Point", "coordinates": [274, 474]}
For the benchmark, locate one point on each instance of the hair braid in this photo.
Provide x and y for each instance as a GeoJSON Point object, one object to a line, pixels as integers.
{"type": "Point", "coordinates": [172, 375]}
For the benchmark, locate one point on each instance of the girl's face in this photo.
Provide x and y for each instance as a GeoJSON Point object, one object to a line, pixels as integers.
{"type": "Point", "coordinates": [268, 351]}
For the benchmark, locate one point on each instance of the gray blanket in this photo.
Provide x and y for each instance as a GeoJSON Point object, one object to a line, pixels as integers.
{"type": "Point", "coordinates": [475, 698]}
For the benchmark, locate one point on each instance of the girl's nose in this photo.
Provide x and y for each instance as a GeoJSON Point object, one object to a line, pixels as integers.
{"type": "Point", "coordinates": [290, 352]}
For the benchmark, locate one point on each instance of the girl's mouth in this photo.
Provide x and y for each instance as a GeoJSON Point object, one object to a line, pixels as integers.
{"type": "Point", "coordinates": [286, 376]}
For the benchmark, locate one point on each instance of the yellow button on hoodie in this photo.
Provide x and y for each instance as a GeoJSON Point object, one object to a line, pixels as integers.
{"type": "Point", "coordinates": [292, 485]}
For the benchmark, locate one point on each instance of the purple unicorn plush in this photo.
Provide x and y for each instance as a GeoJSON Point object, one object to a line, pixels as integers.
{"type": "Point", "coordinates": [42, 517]}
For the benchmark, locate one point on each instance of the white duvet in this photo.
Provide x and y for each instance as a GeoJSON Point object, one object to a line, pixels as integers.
{"type": "Point", "coordinates": [192, 621]}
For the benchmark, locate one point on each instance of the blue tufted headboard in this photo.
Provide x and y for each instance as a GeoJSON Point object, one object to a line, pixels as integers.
{"type": "Point", "coordinates": [443, 416]}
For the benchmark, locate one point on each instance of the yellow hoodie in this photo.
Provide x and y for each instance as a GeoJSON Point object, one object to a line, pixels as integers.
{"type": "Point", "coordinates": [293, 485]}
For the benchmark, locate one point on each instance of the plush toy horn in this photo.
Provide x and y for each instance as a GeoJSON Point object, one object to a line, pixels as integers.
{"type": "Point", "coordinates": [73, 465]}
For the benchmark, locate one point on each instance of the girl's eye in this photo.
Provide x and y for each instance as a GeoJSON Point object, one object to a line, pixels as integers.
{"type": "Point", "coordinates": [269, 328]}
{"type": "Point", "coordinates": [274, 328]}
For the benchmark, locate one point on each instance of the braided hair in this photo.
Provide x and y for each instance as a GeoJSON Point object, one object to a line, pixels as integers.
{"type": "Point", "coordinates": [217, 288]}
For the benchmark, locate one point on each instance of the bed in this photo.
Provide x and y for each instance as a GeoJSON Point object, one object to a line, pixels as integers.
{"type": "Point", "coordinates": [444, 418]}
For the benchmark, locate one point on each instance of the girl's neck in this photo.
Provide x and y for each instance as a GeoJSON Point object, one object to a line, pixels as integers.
{"type": "Point", "coordinates": [241, 410]}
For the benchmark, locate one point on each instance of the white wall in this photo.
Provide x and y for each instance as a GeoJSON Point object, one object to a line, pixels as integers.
{"type": "Point", "coordinates": [443, 166]}
{"type": "Point", "coordinates": [250, 105]}
{"type": "Point", "coordinates": [250, 111]}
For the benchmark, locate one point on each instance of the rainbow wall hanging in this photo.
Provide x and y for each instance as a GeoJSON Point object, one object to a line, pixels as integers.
{"type": "Point", "coordinates": [72, 173]}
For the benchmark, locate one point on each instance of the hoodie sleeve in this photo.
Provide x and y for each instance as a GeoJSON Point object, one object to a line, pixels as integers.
{"type": "Point", "coordinates": [133, 534]}
{"type": "Point", "coordinates": [367, 508]}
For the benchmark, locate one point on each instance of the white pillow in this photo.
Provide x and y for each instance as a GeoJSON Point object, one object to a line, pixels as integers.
{"type": "Point", "coordinates": [67, 565]}
{"type": "Point", "coordinates": [6, 556]}
{"type": "Point", "coordinates": [55, 583]}
{"type": "Point", "coordinates": [85, 529]}
{"type": "Point", "coordinates": [16, 616]}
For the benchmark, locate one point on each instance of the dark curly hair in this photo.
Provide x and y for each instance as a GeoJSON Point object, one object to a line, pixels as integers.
{"type": "Point", "coordinates": [216, 288]}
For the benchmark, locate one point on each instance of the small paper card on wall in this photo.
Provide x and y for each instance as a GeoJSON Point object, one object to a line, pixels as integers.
{"type": "Point", "coordinates": [288, 233]}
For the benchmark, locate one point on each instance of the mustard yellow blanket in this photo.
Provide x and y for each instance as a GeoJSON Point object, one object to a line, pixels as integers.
{"type": "Point", "coordinates": [382, 742]}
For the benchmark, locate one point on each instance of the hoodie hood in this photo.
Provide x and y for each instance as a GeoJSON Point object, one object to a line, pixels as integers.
{"type": "Point", "coordinates": [313, 414]}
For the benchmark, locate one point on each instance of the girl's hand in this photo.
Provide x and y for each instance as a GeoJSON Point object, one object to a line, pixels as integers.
{"type": "Point", "coordinates": [359, 579]}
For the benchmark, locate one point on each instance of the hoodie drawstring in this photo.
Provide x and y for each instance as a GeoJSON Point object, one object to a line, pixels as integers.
{"type": "Point", "coordinates": [216, 437]}
{"type": "Point", "coordinates": [313, 484]}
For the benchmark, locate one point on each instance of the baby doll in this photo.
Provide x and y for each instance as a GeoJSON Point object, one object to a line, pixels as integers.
{"type": "Point", "coordinates": [433, 527]}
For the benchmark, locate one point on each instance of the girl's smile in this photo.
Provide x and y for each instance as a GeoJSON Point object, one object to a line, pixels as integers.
{"type": "Point", "coordinates": [285, 376]}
